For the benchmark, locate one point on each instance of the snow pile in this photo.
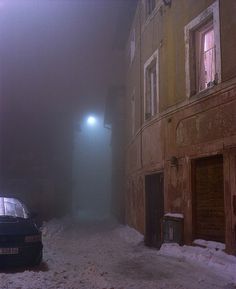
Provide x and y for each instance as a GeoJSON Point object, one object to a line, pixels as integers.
{"type": "Point", "coordinates": [129, 235]}
{"type": "Point", "coordinates": [209, 244]}
{"type": "Point", "coordinates": [174, 215]}
{"type": "Point", "coordinates": [217, 259]}
{"type": "Point", "coordinates": [54, 227]}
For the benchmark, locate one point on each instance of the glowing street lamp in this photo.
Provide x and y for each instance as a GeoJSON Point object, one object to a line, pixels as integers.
{"type": "Point", "coordinates": [91, 120]}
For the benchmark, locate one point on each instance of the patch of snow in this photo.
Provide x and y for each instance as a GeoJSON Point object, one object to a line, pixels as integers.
{"type": "Point", "coordinates": [209, 244]}
{"type": "Point", "coordinates": [224, 263]}
{"type": "Point", "coordinates": [174, 215]}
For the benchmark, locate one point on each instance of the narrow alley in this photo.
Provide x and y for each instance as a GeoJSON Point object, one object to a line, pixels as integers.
{"type": "Point", "coordinates": [117, 144]}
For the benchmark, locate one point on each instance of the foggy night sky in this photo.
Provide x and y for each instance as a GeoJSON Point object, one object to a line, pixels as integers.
{"type": "Point", "coordinates": [58, 59]}
{"type": "Point", "coordinates": [63, 51]}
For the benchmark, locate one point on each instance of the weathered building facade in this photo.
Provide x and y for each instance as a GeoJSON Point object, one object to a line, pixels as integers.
{"type": "Point", "coordinates": [181, 119]}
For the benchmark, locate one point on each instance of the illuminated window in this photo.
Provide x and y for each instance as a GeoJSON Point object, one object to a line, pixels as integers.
{"type": "Point", "coordinates": [205, 57]}
{"type": "Point", "coordinates": [151, 86]}
{"type": "Point", "coordinates": [203, 67]}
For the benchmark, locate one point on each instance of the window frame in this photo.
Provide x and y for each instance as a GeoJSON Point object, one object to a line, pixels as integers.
{"type": "Point", "coordinates": [199, 37]}
{"type": "Point", "coordinates": [150, 7]}
{"type": "Point", "coordinates": [190, 30]}
{"type": "Point", "coordinates": [152, 61]}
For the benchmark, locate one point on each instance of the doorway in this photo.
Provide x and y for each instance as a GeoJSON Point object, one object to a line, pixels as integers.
{"type": "Point", "coordinates": [208, 199]}
{"type": "Point", "coordinates": [154, 199]}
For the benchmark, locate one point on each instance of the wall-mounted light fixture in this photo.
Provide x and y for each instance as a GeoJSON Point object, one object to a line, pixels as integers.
{"type": "Point", "coordinates": [167, 2]}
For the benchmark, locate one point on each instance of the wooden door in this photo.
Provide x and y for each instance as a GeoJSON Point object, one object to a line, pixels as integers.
{"type": "Point", "coordinates": [208, 199]}
{"type": "Point", "coordinates": [154, 209]}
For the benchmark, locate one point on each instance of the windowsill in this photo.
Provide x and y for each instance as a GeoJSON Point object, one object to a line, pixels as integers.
{"type": "Point", "coordinates": [205, 92]}
{"type": "Point", "coordinates": [148, 119]}
{"type": "Point", "coordinates": [151, 118]}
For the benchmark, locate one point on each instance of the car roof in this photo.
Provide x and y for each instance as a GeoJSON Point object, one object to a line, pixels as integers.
{"type": "Point", "coordinates": [12, 197]}
{"type": "Point", "coordinates": [9, 197]}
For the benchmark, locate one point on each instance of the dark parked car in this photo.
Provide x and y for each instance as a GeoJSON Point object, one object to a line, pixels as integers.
{"type": "Point", "coordinates": [20, 238]}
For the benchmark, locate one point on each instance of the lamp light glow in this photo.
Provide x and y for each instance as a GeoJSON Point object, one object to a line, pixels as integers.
{"type": "Point", "coordinates": [91, 120]}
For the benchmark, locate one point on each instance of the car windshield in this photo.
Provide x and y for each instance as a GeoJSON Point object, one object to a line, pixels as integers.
{"type": "Point", "coordinates": [12, 207]}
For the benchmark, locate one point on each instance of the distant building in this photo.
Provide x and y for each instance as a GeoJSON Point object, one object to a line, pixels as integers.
{"type": "Point", "coordinates": [181, 119]}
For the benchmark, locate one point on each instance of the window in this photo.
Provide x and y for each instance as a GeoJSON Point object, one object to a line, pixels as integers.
{"type": "Point", "coordinates": [203, 68]}
{"type": "Point", "coordinates": [205, 57]}
{"type": "Point", "coordinates": [150, 6]}
{"type": "Point", "coordinates": [151, 86]}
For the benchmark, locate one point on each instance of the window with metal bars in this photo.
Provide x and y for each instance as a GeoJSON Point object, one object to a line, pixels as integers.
{"type": "Point", "coordinates": [205, 57]}
{"type": "Point", "coordinates": [202, 50]}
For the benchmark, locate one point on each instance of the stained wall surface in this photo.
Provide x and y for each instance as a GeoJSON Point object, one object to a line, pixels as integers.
{"type": "Point", "coordinates": [186, 128]}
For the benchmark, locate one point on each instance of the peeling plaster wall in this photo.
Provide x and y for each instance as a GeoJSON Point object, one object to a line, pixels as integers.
{"type": "Point", "coordinates": [135, 213]}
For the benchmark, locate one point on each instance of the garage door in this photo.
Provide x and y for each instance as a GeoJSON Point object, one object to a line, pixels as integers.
{"type": "Point", "coordinates": [208, 199]}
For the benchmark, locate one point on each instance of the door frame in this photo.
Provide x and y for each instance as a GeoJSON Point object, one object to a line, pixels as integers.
{"type": "Point", "coordinates": [229, 156]}
{"type": "Point", "coordinates": [193, 192]}
{"type": "Point", "coordinates": [159, 172]}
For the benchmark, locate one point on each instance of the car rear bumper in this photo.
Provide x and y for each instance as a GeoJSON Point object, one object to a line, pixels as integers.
{"type": "Point", "coordinates": [27, 255]}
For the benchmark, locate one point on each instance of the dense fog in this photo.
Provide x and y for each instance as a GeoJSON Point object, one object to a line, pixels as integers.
{"type": "Point", "coordinates": [58, 61]}
{"type": "Point", "coordinates": [92, 168]}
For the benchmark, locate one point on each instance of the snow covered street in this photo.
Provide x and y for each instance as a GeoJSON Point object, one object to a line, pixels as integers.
{"type": "Point", "coordinates": [105, 255]}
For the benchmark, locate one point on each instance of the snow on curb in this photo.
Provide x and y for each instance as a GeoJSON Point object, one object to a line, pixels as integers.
{"type": "Point", "coordinates": [210, 256]}
{"type": "Point", "coordinates": [205, 256]}
{"type": "Point", "coordinates": [213, 257]}
{"type": "Point", "coordinates": [209, 244]}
